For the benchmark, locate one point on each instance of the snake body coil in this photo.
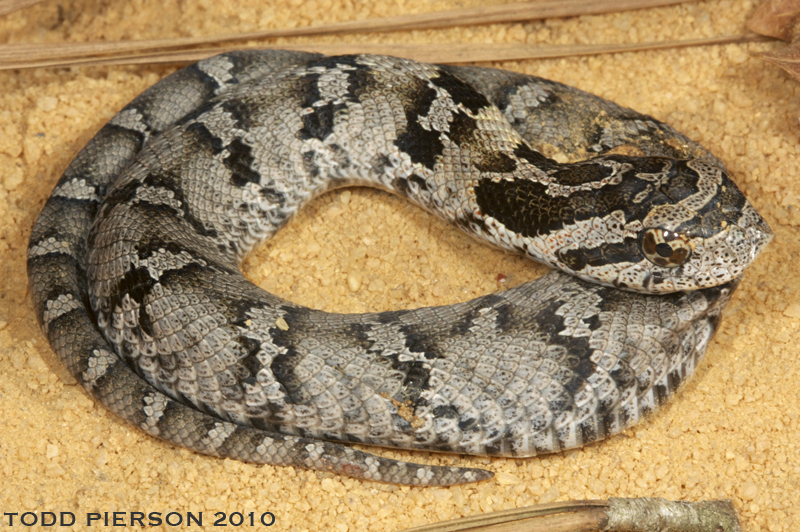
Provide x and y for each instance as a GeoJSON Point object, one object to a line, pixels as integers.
{"type": "Point", "coordinates": [134, 263]}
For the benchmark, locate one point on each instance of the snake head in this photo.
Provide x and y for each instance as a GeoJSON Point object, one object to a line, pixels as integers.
{"type": "Point", "coordinates": [699, 231]}
{"type": "Point", "coordinates": [645, 224]}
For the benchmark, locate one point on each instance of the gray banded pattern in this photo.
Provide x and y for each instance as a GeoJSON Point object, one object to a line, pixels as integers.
{"type": "Point", "coordinates": [134, 263]}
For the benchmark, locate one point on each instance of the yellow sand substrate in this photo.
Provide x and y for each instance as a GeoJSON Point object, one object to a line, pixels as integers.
{"type": "Point", "coordinates": [731, 433]}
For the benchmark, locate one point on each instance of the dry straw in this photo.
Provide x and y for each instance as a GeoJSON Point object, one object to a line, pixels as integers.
{"type": "Point", "coordinates": [189, 49]}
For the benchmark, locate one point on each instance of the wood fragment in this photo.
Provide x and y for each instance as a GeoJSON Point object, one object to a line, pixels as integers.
{"type": "Point", "coordinates": [777, 18]}
{"type": "Point", "coordinates": [613, 515]}
{"type": "Point", "coordinates": [788, 58]}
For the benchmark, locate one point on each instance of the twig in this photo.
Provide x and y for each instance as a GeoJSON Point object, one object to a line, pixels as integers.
{"type": "Point", "coordinates": [438, 19]}
{"type": "Point", "coordinates": [431, 53]}
{"type": "Point", "coordinates": [614, 515]}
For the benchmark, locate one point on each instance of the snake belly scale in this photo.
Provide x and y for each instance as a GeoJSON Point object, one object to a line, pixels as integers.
{"type": "Point", "coordinates": [134, 263]}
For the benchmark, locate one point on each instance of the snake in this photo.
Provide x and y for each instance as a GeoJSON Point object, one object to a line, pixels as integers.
{"type": "Point", "coordinates": [134, 263]}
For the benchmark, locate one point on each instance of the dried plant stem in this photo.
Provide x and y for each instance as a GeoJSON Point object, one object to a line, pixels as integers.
{"type": "Point", "coordinates": [438, 19]}
{"type": "Point", "coordinates": [431, 53]}
{"type": "Point", "coordinates": [614, 515]}
{"type": "Point", "coordinates": [9, 6]}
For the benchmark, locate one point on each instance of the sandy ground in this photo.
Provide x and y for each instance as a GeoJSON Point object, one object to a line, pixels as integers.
{"type": "Point", "coordinates": [731, 433]}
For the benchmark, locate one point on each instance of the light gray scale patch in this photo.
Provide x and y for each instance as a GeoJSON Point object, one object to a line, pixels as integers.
{"type": "Point", "coordinates": [58, 307]}
{"type": "Point", "coordinates": [97, 365]}
{"type": "Point", "coordinates": [217, 436]}
{"type": "Point", "coordinates": [77, 189]}
{"type": "Point", "coordinates": [131, 119]}
{"type": "Point", "coordinates": [51, 245]}
{"type": "Point", "coordinates": [219, 68]}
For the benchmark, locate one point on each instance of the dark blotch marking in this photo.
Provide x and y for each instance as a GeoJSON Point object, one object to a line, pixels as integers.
{"type": "Point", "coordinates": [205, 137]}
{"type": "Point", "coordinates": [461, 92]}
{"type": "Point", "coordinates": [340, 155]}
{"type": "Point", "coordinates": [524, 152]}
{"type": "Point", "coordinates": [389, 316]}
{"type": "Point", "coordinates": [422, 145]}
{"type": "Point", "coordinates": [319, 123]}
{"type": "Point", "coordinates": [357, 334]}
{"type": "Point", "coordinates": [662, 393]}
{"type": "Point", "coordinates": [380, 163]}
{"type": "Point", "coordinates": [578, 174]}
{"type": "Point", "coordinates": [119, 196]}
{"type": "Point", "coordinates": [283, 365]}
{"type": "Point", "coordinates": [505, 317]}
{"type": "Point", "coordinates": [415, 381]}
{"type": "Point", "coordinates": [273, 196]}
{"type": "Point", "coordinates": [122, 135]}
{"type": "Point", "coordinates": [173, 183]}
{"type": "Point", "coordinates": [626, 251]}
{"type": "Point", "coordinates": [420, 182]}
{"type": "Point", "coordinates": [335, 61]}
{"type": "Point", "coordinates": [149, 246]}
{"type": "Point", "coordinates": [525, 207]}
{"type": "Point", "coordinates": [497, 162]}
{"type": "Point", "coordinates": [137, 283]}
{"type": "Point", "coordinates": [588, 432]}
{"type": "Point", "coordinates": [250, 361]}
{"type": "Point", "coordinates": [420, 341]}
{"type": "Point", "coordinates": [240, 163]}
{"type": "Point", "coordinates": [682, 181]}
{"type": "Point", "coordinates": [468, 424]}
{"type": "Point", "coordinates": [725, 207]}
{"type": "Point", "coordinates": [522, 206]}
{"type": "Point", "coordinates": [240, 111]}
{"type": "Point", "coordinates": [674, 380]}
{"type": "Point", "coordinates": [309, 165]}
{"type": "Point", "coordinates": [283, 369]}
{"type": "Point", "coordinates": [407, 186]}
{"type": "Point", "coordinates": [462, 131]}
{"type": "Point", "coordinates": [462, 326]}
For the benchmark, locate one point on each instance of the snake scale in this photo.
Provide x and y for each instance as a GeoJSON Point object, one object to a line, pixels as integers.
{"type": "Point", "coordinates": [134, 263]}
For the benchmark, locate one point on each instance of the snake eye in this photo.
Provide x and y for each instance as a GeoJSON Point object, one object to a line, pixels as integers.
{"type": "Point", "coordinates": [665, 248]}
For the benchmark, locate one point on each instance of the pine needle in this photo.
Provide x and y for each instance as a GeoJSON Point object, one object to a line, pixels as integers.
{"type": "Point", "coordinates": [38, 54]}
{"type": "Point", "coordinates": [429, 53]}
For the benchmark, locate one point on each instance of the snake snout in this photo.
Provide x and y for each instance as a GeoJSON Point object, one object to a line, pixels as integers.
{"type": "Point", "coordinates": [760, 234]}
{"type": "Point", "coordinates": [726, 255]}
{"type": "Point", "coordinates": [751, 236]}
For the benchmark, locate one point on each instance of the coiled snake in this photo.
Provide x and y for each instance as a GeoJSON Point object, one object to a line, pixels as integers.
{"type": "Point", "coordinates": [134, 263]}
